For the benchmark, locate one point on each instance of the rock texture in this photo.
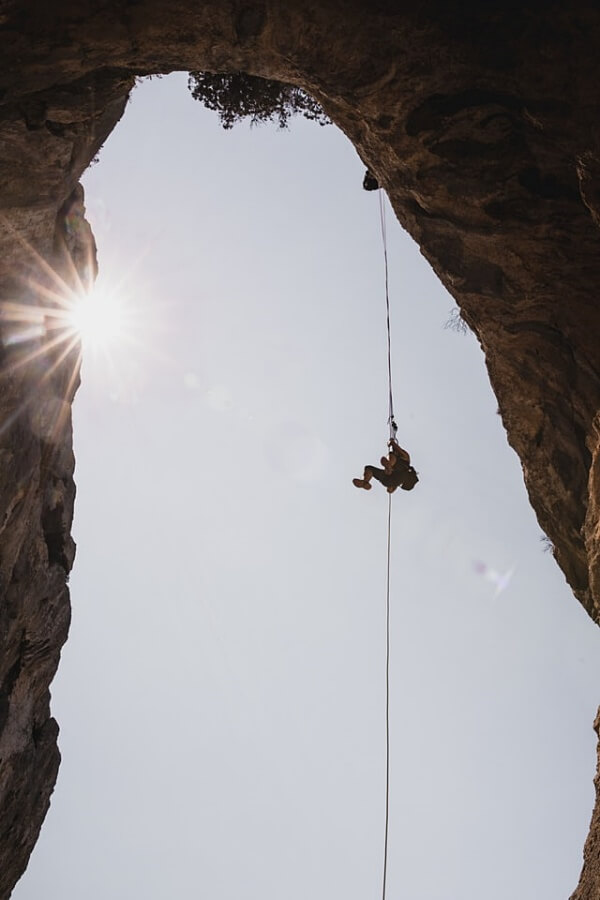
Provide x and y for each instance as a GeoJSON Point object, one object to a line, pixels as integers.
{"type": "Point", "coordinates": [481, 122]}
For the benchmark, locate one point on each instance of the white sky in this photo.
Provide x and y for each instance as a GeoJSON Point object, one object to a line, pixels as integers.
{"type": "Point", "coordinates": [221, 696]}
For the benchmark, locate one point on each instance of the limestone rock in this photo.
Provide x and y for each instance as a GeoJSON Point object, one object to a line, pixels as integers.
{"type": "Point", "coordinates": [480, 120]}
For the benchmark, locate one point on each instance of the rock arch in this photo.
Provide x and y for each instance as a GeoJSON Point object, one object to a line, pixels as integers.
{"type": "Point", "coordinates": [481, 123]}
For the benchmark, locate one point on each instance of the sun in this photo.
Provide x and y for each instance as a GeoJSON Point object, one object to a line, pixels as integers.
{"type": "Point", "coordinates": [60, 322]}
{"type": "Point", "coordinates": [98, 318]}
{"type": "Point", "coordinates": [61, 325]}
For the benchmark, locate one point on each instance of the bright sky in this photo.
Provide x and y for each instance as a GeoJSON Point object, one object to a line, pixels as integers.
{"type": "Point", "coordinates": [221, 696]}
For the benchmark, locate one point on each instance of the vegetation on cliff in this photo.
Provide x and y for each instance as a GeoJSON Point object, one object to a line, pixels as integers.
{"type": "Point", "coordinates": [236, 96]}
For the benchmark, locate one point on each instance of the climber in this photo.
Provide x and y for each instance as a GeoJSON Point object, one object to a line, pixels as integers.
{"type": "Point", "coordinates": [396, 472]}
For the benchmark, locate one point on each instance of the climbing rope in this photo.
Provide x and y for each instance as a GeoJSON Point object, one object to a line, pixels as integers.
{"type": "Point", "coordinates": [387, 698]}
{"type": "Point", "coordinates": [393, 429]}
{"type": "Point", "coordinates": [391, 420]}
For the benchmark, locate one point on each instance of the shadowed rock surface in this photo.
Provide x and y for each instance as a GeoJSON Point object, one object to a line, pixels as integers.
{"type": "Point", "coordinates": [480, 122]}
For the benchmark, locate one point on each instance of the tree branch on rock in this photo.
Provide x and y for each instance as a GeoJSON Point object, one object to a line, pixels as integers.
{"type": "Point", "coordinates": [235, 96]}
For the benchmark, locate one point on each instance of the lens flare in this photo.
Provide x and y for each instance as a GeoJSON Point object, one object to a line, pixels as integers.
{"type": "Point", "coordinates": [55, 315]}
{"type": "Point", "coordinates": [98, 318]}
{"type": "Point", "coordinates": [501, 581]}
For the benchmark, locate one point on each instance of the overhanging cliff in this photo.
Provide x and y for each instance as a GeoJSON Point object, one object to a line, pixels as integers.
{"type": "Point", "coordinates": [481, 126]}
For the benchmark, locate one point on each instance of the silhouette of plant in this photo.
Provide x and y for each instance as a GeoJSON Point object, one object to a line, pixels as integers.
{"type": "Point", "coordinates": [236, 96]}
{"type": "Point", "coordinates": [455, 322]}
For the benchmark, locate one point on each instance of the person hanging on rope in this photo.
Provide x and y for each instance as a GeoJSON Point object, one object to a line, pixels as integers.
{"type": "Point", "coordinates": [396, 472]}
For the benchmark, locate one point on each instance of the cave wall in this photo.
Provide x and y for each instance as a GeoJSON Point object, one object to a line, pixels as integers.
{"type": "Point", "coordinates": [480, 121]}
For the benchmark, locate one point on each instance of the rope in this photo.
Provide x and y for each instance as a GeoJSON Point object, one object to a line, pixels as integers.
{"type": "Point", "coordinates": [393, 429]}
{"type": "Point", "coordinates": [387, 699]}
{"type": "Point", "coordinates": [391, 420]}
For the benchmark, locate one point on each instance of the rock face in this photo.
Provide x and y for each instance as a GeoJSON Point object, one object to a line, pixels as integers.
{"type": "Point", "coordinates": [481, 122]}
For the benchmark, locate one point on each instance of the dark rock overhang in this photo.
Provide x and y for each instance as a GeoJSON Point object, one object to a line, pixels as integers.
{"type": "Point", "coordinates": [481, 122]}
